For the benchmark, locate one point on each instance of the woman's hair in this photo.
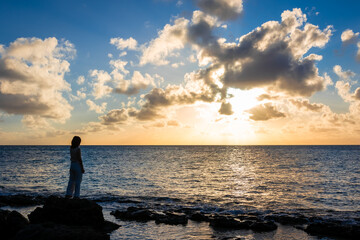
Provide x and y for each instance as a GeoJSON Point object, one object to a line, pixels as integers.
{"type": "Point", "coordinates": [75, 141]}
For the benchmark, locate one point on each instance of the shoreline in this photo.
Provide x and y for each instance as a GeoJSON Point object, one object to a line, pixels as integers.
{"type": "Point", "coordinates": [298, 226]}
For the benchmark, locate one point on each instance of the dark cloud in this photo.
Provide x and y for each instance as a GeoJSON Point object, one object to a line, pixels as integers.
{"type": "Point", "coordinates": [226, 109]}
{"type": "Point", "coordinates": [223, 9]}
{"type": "Point", "coordinates": [24, 105]}
{"type": "Point", "coordinates": [115, 116]}
{"type": "Point", "coordinates": [271, 56]}
{"type": "Point", "coordinates": [264, 112]}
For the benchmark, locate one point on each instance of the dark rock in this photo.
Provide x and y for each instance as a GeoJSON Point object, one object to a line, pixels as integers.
{"type": "Point", "coordinates": [171, 218]}
{"type": "Point", "coordinates": [229, 222]}
{"type": "Point", "coordinates": [71, 212]}
{"type": "Point", "coordinates": [332, 229]}
{"type": "Point", "coordinates": [134, 213]}
{"type": "Point", "coordinates": [144, 215]}
{"type": "Point", "coordinates": [263, 226]}
{"type": "Point", "coordinates": [11, 222]}
{"type": "Point", "coordinates": [52, 231]}
{"type": "Point", "coordinates": [21, 200]}
{"type": "Point", "coordinates": [286, 219]}
{"type": "Point", "coordinates": [199, 217]}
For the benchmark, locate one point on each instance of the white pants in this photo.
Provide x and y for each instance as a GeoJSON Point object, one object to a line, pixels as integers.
{"type": "Point", "coordinates": [75, 180]}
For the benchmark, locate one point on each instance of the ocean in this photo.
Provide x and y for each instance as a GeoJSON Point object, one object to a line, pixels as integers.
{"type": "Point", "coordinates": [316, 181]}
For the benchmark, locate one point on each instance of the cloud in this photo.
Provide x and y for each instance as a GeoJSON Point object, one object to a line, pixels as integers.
{"type": "Point", "coordinates": [266, 96]}
{"type": "Point", "coordinates": [305, 104]}
{"type": "Point", "coordinates": [96, 108]}
{"type": "Point", "coordinates": [80, 80]}
{"type": "Point", "coordinates": [80, 94]}
{"type": "Point", "coordinates": [271, 56]}
{"type": "Point", "coordinates": [358, 52]}
{"type": "Point", "coordinates": [133, 86]}
{"type": "Point", "coordinates": [223, 9]}
{"type": "Point", "coordinates": [100, 79]}
{"type": "Point", "coordinates": [348, 36]}
{"type": "Point", "coordinates": [115, 116]}
{"type": "Point", "coordinates": [357, 94]}
{"type": "Point", "coordinates": [32, 80]}
{"type": "Point", "coordinates": [226, 109]}
{"type": "Point", "coordinates": [173, 123]}
{"type": "Point", "coordinates": [346, 75]}
{"type": "Point", "coordinates": [105, 83]}
{"type": "Point", "coordinates": [122, 44]}
{"type": "Point", "coordinates": [264, 112]}
{"type": "Point", "coordinates": [170, 38]}
{"type": "Point", "coordinates": [35, 122]}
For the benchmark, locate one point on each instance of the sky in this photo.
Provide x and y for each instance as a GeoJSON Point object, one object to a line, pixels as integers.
{"type": "Point", "coordinates": [180, 72]}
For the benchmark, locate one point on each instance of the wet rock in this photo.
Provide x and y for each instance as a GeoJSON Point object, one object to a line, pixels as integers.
{"type": "Point", "coordinates": [144, 215]}
{"type": "Point", "coordinates": [199, 217]}
{"type": "Point", "coordinates": [172, 218]}
{"type": "Point", "coordinates": [136, 214]}
{"type": "Point", "coordinates": [11, 222]}
{"type": "Point", "coordinates": [266, 226]}
{"type": "Point", "coordinates": [46, 231]}
{"type": "Point", "coordinates": [332, 229]}
{"type": "Point", "coordinates": [229, 222]}
{"type": "Point", "coordinates": [71, 212]}
{"type": "Point", "coordinates": [21, 200]}
{"type": "Point", "coordinates": [286, 219]}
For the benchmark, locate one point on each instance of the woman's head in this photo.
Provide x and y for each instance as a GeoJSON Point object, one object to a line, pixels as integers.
{"type": "Point", "coordinates": [75, 141]}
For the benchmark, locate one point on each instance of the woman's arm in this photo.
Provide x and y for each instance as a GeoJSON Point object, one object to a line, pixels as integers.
{"type": "Point", "coordinates": [81, 163]}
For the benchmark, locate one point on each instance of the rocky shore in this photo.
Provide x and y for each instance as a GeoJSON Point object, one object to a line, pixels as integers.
{"type": "Point", "coordinates": [61, 218]}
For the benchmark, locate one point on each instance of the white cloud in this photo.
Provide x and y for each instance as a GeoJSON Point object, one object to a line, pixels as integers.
{"type": "Point", "coordinates": [133, 86]}
{"type": "Point", "coordinates": [81, 94]}
{"type": "Point", "coordinates": [96, 108]}
{"type": "Point", "coordinates": [122, 44]}
{"type": "Point", "coordinates": [358, 52]}
{"type": "Point", "coordinates": [100, 79]}
{"type": "Point", "coordinates": [348, 36]}
{"type": "Point", "coordinates": [170, 38]}
{"type": "Point", "coordinates": [176, 65]}
{"type": "Point", "coordinates": [32, 80]}
{"type": "Point", "coordinates": [80, 80]}
{"type": "Point", "coordinates": [346, 75]}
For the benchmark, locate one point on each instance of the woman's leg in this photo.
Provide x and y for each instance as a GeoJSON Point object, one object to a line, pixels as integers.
{"type": "Point", "coordinates": [71, 184]}
{"type": "Point", "coordinates": [78, 179]}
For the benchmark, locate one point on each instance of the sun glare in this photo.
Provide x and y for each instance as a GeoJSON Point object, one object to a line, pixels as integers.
{"type": "Point", "coordinates": [244, 99]}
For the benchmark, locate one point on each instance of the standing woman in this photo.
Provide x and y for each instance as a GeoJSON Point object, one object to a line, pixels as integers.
{"type": "Point", "coordinates": [76, 169]}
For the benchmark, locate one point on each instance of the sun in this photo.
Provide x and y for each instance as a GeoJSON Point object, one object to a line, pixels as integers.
{"type": "Point", "coordinates": [244, 99]}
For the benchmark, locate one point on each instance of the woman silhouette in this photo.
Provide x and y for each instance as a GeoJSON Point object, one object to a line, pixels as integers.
{"type": "Point", "coordinates": [76, 169]}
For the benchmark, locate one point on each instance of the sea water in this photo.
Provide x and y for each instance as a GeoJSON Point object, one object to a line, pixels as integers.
{"type": "Point", "coordinates": [317, 180]}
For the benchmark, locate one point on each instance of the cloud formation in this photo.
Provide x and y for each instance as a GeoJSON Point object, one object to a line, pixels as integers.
{"type": "Point", "coordinates": [348, 36]}
{"type": "Point", "coordinates": [223, 9]}
{"type": "Point", "coordinates": [122, 44]}
{"type": "Point", "coordinates": [170, 38]}
{"type": "Point", "coordinates": [133, 86]}
{"type": "Point", "coordinates": [97, 108]}
{"type": "Point", "coordinates": [305, 104]}
{"type": "Point", "coordinates": [264, 112]}
{"type": "Point", "coordinates": [271, 56]}
{"type": "Point", "coordinates": [346, 75]}
{"type": "Point", "coordinates": [32, 77]}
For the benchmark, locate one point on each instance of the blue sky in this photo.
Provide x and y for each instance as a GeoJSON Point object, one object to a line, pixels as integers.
{"type": "Point", "coordinates": [83, 30]}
